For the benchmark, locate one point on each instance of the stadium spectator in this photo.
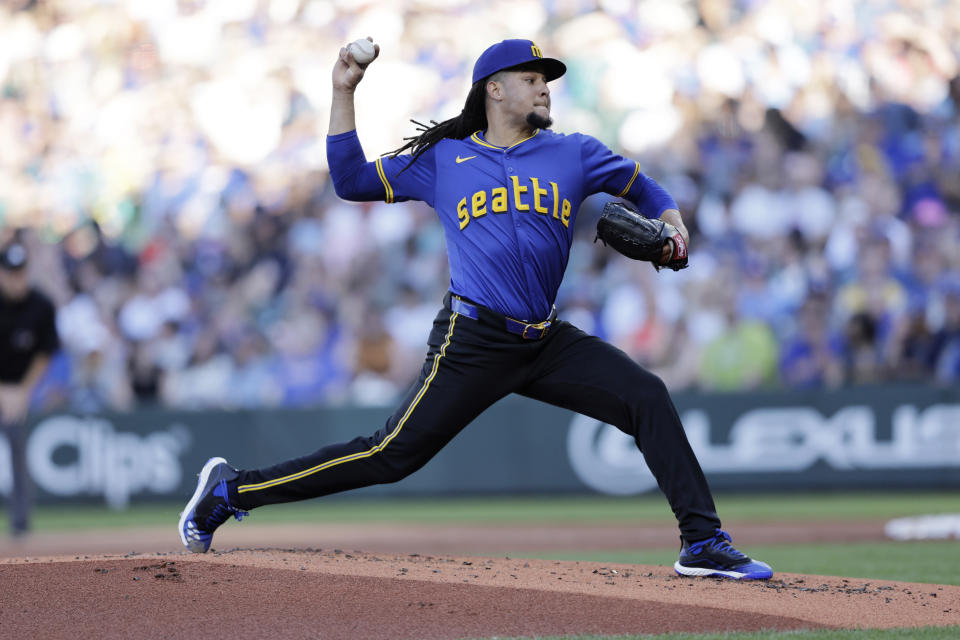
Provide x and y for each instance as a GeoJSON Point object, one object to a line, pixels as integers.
{"type": "Point", "coordinates": [812, 357]}
{"type": "Point", "coordinates": [173, 154]}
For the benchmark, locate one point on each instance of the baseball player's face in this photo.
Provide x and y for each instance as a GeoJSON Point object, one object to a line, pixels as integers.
{"type": "Point", "coordinates": [527, 97]}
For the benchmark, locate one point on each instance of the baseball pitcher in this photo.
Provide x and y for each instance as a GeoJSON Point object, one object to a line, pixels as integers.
{"type": "Point", "coordinates": [506, 190]}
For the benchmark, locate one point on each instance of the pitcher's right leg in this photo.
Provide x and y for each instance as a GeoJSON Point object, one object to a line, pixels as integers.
{"type": "Point", "coordinates": [450, 392]}
{"type": "Point", "coordinates": [461, 376]}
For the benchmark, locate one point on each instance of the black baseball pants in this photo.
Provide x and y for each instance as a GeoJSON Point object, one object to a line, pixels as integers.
{"type": "Point", "coordinates": [469, 366]}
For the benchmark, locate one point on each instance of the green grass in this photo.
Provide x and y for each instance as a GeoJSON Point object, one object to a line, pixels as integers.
{"type": "Point", "coordinates": [908, 561]}
{"type": "Point", "coordinates": [924, 633]}
{"type": "Point", "coordinates": [578, 509]}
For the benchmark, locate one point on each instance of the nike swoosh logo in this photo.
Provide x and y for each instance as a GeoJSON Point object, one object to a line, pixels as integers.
{"type": "Point", "coordinates": [459, 159]}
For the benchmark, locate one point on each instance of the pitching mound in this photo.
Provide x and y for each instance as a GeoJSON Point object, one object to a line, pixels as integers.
{"type": "Point", "coordinates": [336, 594]}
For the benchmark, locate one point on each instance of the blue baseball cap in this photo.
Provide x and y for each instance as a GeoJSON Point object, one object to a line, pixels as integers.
{"type": "Point", "coordinates": [510, 53]}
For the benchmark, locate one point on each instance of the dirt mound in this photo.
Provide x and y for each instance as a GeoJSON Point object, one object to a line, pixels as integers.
{"type": "Point", "coordinates": [349, 594]}
{"type": "Point", "coordinates": [468, 539]}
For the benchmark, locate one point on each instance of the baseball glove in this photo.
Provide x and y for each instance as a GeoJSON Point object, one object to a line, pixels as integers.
{"type": "Point", "coordinates": [641, 238]}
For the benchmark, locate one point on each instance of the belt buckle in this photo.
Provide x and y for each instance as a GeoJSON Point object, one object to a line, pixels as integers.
{"type": "Point", "coordinates": [542, 326]}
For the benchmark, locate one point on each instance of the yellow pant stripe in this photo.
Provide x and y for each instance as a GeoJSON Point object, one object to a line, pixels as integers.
{"type": "Point", "coordinates": [363, 454]}
{"type": "Point", "coordinates": [388, 198]}
{"type": "Point", "coordinates": [636, 172]}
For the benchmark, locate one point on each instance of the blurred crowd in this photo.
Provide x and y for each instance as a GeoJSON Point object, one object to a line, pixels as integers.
{"type": "Point", "coordinates": [164, 162]}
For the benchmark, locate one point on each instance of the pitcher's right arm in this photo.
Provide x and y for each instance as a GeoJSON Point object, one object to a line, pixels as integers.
{"type": "Point", "coordinates": [353, 177]}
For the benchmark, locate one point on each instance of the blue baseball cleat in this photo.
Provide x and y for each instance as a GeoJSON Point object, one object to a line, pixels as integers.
{"type": "Point", "coordinates": [716, 557]}
{"type": "Point", "coordinates": [209, 507]}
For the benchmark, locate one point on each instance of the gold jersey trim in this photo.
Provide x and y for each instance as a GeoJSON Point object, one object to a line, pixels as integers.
{"type": "Point", "coordinates": [626, 189]}
{"type": "Point", "coordinates": [388, 190]}
{"type": "Point", "coordinates": [475, 136]}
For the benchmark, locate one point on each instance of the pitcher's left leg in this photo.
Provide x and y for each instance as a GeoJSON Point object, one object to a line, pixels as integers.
{"type": "Point", "coordinates": [585, 374]}
{"type": "Point", "coordinates": [591, 377]}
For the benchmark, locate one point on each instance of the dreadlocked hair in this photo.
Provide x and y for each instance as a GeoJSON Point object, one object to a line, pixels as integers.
{"type": "Point", "coordinates": [472, 118]}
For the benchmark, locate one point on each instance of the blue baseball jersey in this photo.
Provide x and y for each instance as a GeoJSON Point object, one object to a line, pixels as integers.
{"type": "Point", "coordinates": [507, 213]}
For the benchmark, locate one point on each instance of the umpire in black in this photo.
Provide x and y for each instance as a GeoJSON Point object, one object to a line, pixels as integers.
{"type": "Point", "coordinates": [28, 338]}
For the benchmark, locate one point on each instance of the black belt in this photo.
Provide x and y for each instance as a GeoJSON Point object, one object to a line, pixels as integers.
{"type": "Point", "coordinates": [526, 330]}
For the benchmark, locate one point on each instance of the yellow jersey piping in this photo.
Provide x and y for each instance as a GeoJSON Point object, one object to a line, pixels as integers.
{"type": "Point", "coordinates": [386, 183]}
{"type": "Point", "coordinates": [636, 172]}
{"type": "Point", "coordinates": [475, 136]}
{"type": "Point", "coordinates": [535, 132]}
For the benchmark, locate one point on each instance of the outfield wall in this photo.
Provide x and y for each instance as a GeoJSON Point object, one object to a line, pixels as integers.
{"type": "Point", "coordinates": [877, 437]}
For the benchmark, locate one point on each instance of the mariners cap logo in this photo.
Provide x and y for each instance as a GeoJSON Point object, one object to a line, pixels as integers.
{"type": "Point", "coordinates": [510, 53]}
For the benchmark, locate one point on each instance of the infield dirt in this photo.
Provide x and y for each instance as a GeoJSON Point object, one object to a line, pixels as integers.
{"type": "Point", "coordinates": [336, 593]}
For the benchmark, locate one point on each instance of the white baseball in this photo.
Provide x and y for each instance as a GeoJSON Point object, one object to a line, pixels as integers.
{"type": "Point", "coordinates": [362, 51]}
